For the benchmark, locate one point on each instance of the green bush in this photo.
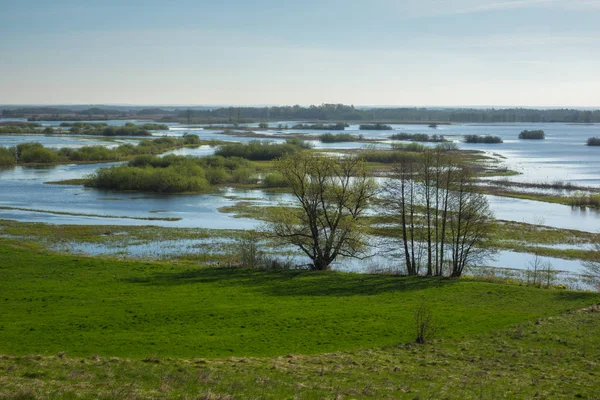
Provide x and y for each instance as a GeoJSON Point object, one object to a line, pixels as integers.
{"type": "Point", "coordinates": [482, 139]}
{"type": "Point", "coordinates": [339, 137]}
{"type": "Point", "coordinates": [375, 127]}
{"type": "Point", "coordinates": [257, 150]}
{"type": "Point", "coordinates": [35, 153]}
{"type": "Point", "coordinates": [173, 174]}
{"type": "Point", "coordinates": [534, 134]}
{"type": "Point", "coordinates": [7, 157]}
{"type": "Point", "coordinates": [275, 180]}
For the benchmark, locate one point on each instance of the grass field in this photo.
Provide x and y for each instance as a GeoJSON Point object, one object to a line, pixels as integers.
{"type": "Point", "coordinates": [75, 326]}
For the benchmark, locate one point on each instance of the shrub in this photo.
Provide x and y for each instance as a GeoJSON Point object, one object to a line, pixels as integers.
{"type": "Point", "coordinates": [488, 139]}
{"type": "Point", "coordinates": [37, 154]}
{"type": "Point", "coordinates": [7, 157]}
{"type": "Point", "coordinates": [275, 180]}
{"type": "Point", "coordinates": [339, 137]}
{"type": "Point", "coordinates": [257, 150]}
{"type": "Point", "coordinates": [191, 139]}
{"type": "Point", "coordinates": [375, 127]}
{"type": "Point", "coordinates": [534, 134]}
{"type": "Point", "coordinates": [593, 141]}
{"type": "Point", "coordinates": [173, 174]}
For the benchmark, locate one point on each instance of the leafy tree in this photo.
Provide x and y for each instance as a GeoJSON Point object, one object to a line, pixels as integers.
{"type": "Point", "coordinates": [332, 195]}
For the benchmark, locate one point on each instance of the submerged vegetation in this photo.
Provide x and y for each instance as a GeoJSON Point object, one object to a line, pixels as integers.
{"type": "Point", "coordinates": [338, 137]}
{"type": "Point", "coordinates": [418, 137]}
{"type": "Point", "coordinates": [173, 174]}
{"type": "Point", "coordinates": [36, 153]}
{"type": "Point", "coordinates": [488, 139]}
{"type": "Point", "coordinates": [532, 134]}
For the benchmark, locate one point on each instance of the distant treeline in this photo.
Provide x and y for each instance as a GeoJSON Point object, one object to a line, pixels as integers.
{"type": "Point", "coordinates": [375, 127]}
{"type": "Point", "coordinates": [534, 134]}
{"type": "Point", "coordinates": [324, 112]}
{"type": "Point", "coordinates": [482, 139]}
{"type": "Point", "coordinates": [418, 137]}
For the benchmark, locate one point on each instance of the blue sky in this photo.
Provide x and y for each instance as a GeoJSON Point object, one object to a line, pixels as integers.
{"type": "Point", "coordinates": [376, 52]}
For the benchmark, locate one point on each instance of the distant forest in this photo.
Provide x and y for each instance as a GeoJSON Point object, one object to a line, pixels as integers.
{"type": "Point", "coordinates": [324, 112]}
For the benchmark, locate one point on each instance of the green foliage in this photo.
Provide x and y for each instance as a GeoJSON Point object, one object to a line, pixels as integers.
{"type": "Point", "coordinates": [7, 157]}
{"type": "Point", "coordinates": [30, 153]}
{"type": "Point", "coordinates": [375, 127]}
{"type": "Point", "coordinates": [488, 139]}
{"type": "Point", "coordinates": [533, 134]}
{"type": "Point", "coordinates": [173, 174]}
{"type": "Point", "coordinates": [593, 141]}
{"type": "Point", "coordinates": [36, 153]}
{"type": "Point", "coordinates": [191, 139]}
{"type": "Point", "coordinates": [257, 150]}
{"type": "Point", "coordinates": [338, 137]}
{"type": "Point", "coordinates": [275, 180]}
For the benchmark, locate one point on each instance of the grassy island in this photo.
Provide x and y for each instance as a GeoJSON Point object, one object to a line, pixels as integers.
{"type": "Point", "coordinates": [338, 137]}
{"type": "Point", "coordinates": [173, 174]}
{"type": "Point", "coordinates": [533, 134]}
{"type": "Point", "coordinates": [36, 153]}
{"type": "Point", "coordinates": [488, 139]}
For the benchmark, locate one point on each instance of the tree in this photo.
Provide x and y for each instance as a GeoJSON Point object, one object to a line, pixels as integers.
{"type": "Point", "coordinates": [332, 195]}
{"type": "Point", "coordinates": [442, 219]}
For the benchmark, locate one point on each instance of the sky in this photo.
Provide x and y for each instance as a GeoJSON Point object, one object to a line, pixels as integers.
{"type": "Point", "coordinates": [258, 52]}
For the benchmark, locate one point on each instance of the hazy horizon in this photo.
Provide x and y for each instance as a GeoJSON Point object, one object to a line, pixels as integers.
{"type": "Point", "coordinates": [427, 53]}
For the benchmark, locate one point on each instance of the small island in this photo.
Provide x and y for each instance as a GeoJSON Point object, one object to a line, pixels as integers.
{"type": "Point", "coordinates": [533, 134]}
{"type": "Point", "coordinates": [340, 126]}
{"type": "Point", "coordinates": [375, 127]}
{"type": "Point", "coordinates": [593, 141]}
{"type": "Point", "coordinates": [488, 139]}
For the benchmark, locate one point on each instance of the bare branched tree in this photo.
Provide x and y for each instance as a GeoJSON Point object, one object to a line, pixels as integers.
{"type": "Point", "coordinates": [332, 195]}
{"type": "Point", "coordinates": [443, 220]}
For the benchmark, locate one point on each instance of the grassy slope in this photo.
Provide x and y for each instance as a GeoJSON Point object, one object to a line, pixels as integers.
{"type": "Point", "coordinates": [549, 358]}
{"type": "Point", "coordinates": [51, 303]}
